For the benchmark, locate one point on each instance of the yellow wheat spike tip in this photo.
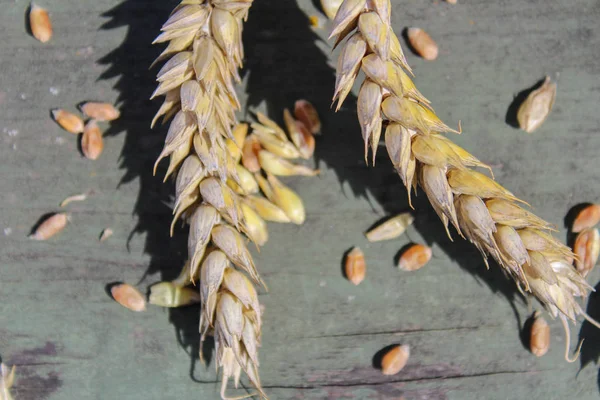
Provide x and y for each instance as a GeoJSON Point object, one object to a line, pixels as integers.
{"type": "Point", "coordinates": [480, 209]}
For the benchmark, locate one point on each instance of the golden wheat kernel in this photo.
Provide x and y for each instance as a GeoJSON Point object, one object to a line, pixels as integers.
{"type": "Point", "coordinates": [68, 121]}
{"type": "Point", "coordinates": [537, 106]}
{"type": "Point", "coordinates": [587, 218]}
{"type": "Point", "coordinates": [587, 250]}
{"type": "Point", "coordinates": [539, 340]}
{"type": "Point", "coordinates": [395, 359]}
{"type": "Point", "coordinates": [40, 24]}
{"type": "Point", "coordinates": [306, 113]}
{"type": "Point", "coordinates": [250, 152]}
{"type": "Point", "coordinates": [92, 143]}
{"type": "Point", "coordinates": [100, 111]}
{"type": "Point", "coordinates": [129, 297]}
{"type": "Point", "coordinates": [423, 44]}
{"type": "Point", "coordinates": [415, 257]}
{"type": "Point", "coordinates": [355, 266]}
{"type": "Point", "coordinates": [50, 227]}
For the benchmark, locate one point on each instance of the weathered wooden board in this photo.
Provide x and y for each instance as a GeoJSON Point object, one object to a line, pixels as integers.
{"type": "Point", "coordinates": [322, 335]}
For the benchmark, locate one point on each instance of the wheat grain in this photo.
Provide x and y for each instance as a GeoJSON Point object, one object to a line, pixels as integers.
{"type": "Point", "coordinates": [415, 257]}
{"type": "Point", "coordinates": [68, 121]}
{"type": "Point", "coordinates": [539, 339]}
{"type": "Point", "coordinates": [100, 111]}
{"type": "Point", "coordinates": [92, 143]}
{"type": "Point", "coordinates": [129, 297]}
{"type": "Point", "coordinates": [395, 359]}
{"type": "Point", "coordinates": [40, 24]}
{"type": "Point", "coordinates": [355, 267]}
{"type": "Point", "coordinates": [50, 227]}
{"type": "Point", "coordinates": [480, 209]}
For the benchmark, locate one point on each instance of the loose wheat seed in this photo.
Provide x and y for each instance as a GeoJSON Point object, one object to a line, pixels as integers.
{"type": "Point", "coordinates": [395, 360]}
{"type": "Point", "coordinates": [415, 257]}
{"type": "Point", "coordinates": [39, 21]}
{"type": "Point", "coordinates": [100, 111]}
{"type": "Point", "coordinates": [92, 143]}
{"type": "Point", "coordinates": [355, 267]}
{"type": "Point", "coordinates": [306, 113]}
{"type": "Point", "coordinates": [587, 218]}
{"type": "Point", "coordinates": [423, 44]}
{"type": "Point", "coordinates": [129, 297]}
{"type": "Point", "coordinates": [50, 227]}
{"type": "Point", "coordinates": [587, 250]}
{"type": "Point", "coordinates": [68, 121]}
{"type": "Point", "coordinates": [539, 341]}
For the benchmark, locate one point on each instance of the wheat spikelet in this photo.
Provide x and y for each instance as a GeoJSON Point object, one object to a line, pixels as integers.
{"type": "Point", "coordinates": [215, 192]}
{"type": "Point", "coordinates": [480, 209]}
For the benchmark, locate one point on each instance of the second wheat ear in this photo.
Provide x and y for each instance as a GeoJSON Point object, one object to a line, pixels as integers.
{"type": "Point", "coordinates": [481, 210]}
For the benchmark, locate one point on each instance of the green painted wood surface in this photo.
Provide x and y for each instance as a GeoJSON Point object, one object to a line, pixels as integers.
{"type": "Point", "coordinates": [69, 340]}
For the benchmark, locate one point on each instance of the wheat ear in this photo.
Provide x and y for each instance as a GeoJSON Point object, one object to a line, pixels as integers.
{"type": "Point", "coordinates": [205, 52]}
{"type": "Point", "coordinates": [480, 209]}
{"type": "Point", "coordinates": [219, 172]}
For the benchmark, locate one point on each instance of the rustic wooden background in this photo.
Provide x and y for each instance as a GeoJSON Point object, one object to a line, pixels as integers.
{"type": "Point", "coordinates": [322, 336]}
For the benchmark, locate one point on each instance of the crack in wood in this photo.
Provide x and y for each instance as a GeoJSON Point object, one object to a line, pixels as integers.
{"type": "Point", "coordinates": [405, 331]}
{"type": "Point", "coordinates": [414, 380]}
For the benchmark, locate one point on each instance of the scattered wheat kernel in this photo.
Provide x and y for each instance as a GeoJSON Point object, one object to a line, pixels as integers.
{"type": "Point", "coordinates": [68, 121]}
{"type": "Point", "coordinates": [415, 257]}
{"type": "Point", "coordinates": [129, 297]}
{"type": "Point", "coordinates": [355, 266]}
{"type": "Point", "coordinates": [539, 341]}
{"type": "Point", "coordinates": [587, 250]}
{"type": "Point", "coordinates": [306, 113]}
{"type": "Point", "coordinates": [50, 227]}
{"type": "Point", "coordinates": [395, 359]}
{"type": "Point", "coordinates": [100, 111]}
{"type": "Point", "coordinates": [587, 218]}
{"type": "Point", "coordinates": [423, 44]}
{"type": "Point", "coordinates": [39, 21]}
{"type": "Point", "coordinates": [92, 143]}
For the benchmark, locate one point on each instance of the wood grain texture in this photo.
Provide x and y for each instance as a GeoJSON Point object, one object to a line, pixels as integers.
{"type": "Point", "coordinates": [322, 335]}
